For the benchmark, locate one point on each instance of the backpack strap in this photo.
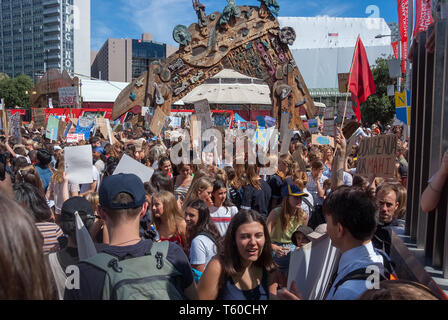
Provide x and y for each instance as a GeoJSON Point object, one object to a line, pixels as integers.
{"type": "Point", "coordinates": [358, 274]}
{"type": "Point", "coordinates": [307, 202]}
{"type": "Point", "coordinates": [389, 265]}
{"type": "Point", "coordinates": [208, 235]}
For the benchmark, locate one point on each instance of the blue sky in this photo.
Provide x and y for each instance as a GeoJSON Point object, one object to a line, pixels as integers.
{"type": "Point", "coordinates": [130, 18]}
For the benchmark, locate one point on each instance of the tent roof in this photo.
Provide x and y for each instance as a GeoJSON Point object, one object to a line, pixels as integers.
{"type": "Point", "coordinates": [100, 90]}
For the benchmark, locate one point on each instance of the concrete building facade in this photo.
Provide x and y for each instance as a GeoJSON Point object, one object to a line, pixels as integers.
{"type": "Point", "coordinates": [126, 59]}
{"type": "Point", "coordinates": [37, 35]}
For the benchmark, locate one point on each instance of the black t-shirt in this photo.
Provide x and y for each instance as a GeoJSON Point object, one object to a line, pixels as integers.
{"type": "Point", "coordinates": [258, 200]}
{"type": "Point", "coordinates": [92, 279]}
{"type": "Point", "coordinates": [68, 257]}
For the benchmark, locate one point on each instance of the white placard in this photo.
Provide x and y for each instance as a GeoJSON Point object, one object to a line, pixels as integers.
{"type": "Point", "coordinates": [78, 164]}
{"type": "Point", "coordinates": [129, 165]}
{"type": "Point", "coordinates": [312, 267]}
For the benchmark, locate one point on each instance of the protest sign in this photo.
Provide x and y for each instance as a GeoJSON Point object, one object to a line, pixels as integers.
{"type": "Point", "coordinates": [261, 121]}
{"type": "Point", "coordinates": [78, 164]}
{"type": "Point", "coordinates": [68, 96]}
{"type": "Point", "coordinates": [312, 267]}
{"type": "Point", "coordinates": [67, 130]}
{"type": "Point", "coordinates": [84, 126]}
{"type": "Point", "coordinates": [329, 113]}
{"type": "Point", "coordinates": [376, 156]}
{"type": "Point", "coordinates": [175, 122]}
{"type": "Point", "coordinates": [129, 165]}
{"type": "Point", "coordinates": [194, 130]}
{"type": "Point", "coordinates": [343, 82]}
{"type": "Point", "coordinates": [52, 128]}
{"type": "Point", "coordinates": [319, 140]}
{"type": "Point", "coordinates": [74, 137]}
{"type": "Point", "coordinates": [341, 107]}
{"type": "Point", "coordinates": [61, 128]}
{"type": "Point", "coordinates": [15, 125]}
{"type": "Point", "coordinates": [39, 118]}
{"type": "Point", "coordinates": [157, 121]}
{"type": "Point", "coordinates": [202, 109]}
{"type": "Point", "coordinates": [313, 125]}
{"type": "Point", "coordinates": [329, 128]}
{"type": "Point", "coordinates": [270, 122]}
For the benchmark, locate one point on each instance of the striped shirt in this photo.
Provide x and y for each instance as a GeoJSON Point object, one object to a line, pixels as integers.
{"type": "Point", "coordinates": [50, 232]}
{"type": "Point", "coordinates": [222, 216]}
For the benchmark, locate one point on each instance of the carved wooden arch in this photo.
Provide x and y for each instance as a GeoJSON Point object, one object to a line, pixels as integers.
{"type": "Point", "coordinates": [246, 39]}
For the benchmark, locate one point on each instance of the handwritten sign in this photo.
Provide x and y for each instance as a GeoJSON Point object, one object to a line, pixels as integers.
{"type": "Point", "coordinates": [322, 140]}
{"type": "Point", "coordinates": [39, 118]}
{"type": "Point", "coordinates": [158, 121]}
{"type": "Point", "coordinates": [377, 155]}
{"type": "Point", "coordinates": [68, 96]}
{"type": "Point", "coordinates": [343, 82]}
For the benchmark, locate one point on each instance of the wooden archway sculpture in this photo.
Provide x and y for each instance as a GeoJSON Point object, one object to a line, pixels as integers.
{"type": "Point", "coordinates": [246, 39]}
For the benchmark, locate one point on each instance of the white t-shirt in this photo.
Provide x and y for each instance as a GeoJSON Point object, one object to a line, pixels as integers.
{"type": "Point", "coordinates": [202, 250]}
{"type": "Point", "coordinates": [222, 216]}
{"type": "Point", "coordinates": [96, 177]}
{"type": "Point", "coordinates": [312, 189]}
{"type": "Point", "coordinates": [310, 199]}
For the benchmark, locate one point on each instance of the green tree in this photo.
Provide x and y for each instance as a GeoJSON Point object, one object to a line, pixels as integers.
{"type": "Point", "coordinates": [16, 92]}
{"type": "Point", "coordinates": [379, 106]}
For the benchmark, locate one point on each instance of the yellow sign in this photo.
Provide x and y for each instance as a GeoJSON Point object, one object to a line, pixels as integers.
{"type": "Point", "coordinates": [400, 99]}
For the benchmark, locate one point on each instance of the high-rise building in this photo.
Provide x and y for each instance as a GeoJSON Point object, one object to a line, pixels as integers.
{"type": "Point", "coordinates": [37, 35]}
{"type": "Point", "coordinates": [126, 59]}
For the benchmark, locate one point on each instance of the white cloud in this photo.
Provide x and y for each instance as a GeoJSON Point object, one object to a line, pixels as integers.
{"type": "Point", "coordinates": [159, 17]}
{"type": "Point", "coordinates": [334, 10]}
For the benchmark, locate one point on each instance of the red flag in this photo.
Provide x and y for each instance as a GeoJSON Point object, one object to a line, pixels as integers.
{"type": "Point", "coordinates": [395, 48]}
{"type": "Point", "coordinates": [423, 15]}
{"type": "Point", "coordinates": [361, 84]}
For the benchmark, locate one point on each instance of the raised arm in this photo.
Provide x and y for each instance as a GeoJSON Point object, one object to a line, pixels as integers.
{"type": "Point", "coordinates": [431, 196]}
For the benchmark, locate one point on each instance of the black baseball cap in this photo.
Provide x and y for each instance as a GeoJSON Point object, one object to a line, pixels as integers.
{"type": "Point", "coordinates": [84, 209]}
{"type": "Point", "coordinates": [111, 186]}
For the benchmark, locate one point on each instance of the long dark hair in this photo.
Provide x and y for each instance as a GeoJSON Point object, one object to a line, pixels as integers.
{"type": "Point", "coordinates": [230, 258]}
{"type": "Point", "coordinates": [26, 274]}
{"type": "Point", "coordinates": [204, 224]}
{"type": "Point", "coordinates": [33, 201]}
{"type": "Point", "coordinates": [219, 184]}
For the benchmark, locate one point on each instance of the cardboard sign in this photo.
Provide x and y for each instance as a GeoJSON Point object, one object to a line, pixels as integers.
{"type": "Point", "coordinates": [74, 137]}
{"type": "Point", "coordinates": [376, 156]}
{"type": "Point", "coordinates": [343, 82]}
{"type": "Point", "coordinates": [313, 125]}
{"type": "Point", "coordinates": [67, 130]}
{"type": "Point", "coordinates": [322, 140]}
{"type": "Point", "coordinates": [329, 128]}
{"type": "Point", "coordinates": [61, 128]}
{"type": "Point", "coordinates": [312, 267]}
{"type": "Point", "coordinates": [129, 165]}
{"type": "Point", "coordinates": [349, 113]}
{"type": "Point", "coordinates": [39, 118]}
{"type": "Point", "coordinates": [202, 109]}
{"type": "Point", "coordinates": [78, 164]}
{"type": "Point", "coordinates": [15, 125]}
{"type": "Point", "coordinates": [194, 130]}
{"type": "Point", "coordinates": [52, 128]}
{"type": "Point", "coordinates": [158, 121]}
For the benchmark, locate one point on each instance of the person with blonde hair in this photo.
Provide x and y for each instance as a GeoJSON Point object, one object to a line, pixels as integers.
{"type": "Point", "coordinates": [60, 189]}
{"type": "Point", "coordinates": [202, 189]}
{"type": "Point", "coordinates": [284, 220]}
{"type": "Point", "coordinates": [168, 219]}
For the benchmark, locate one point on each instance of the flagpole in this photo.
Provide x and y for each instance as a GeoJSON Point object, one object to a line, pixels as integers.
{"type": "Point", "coordinates": [348, 89]}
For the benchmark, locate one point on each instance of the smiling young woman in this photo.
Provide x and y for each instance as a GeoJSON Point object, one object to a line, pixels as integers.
{"type": "Point", "coordinates": [244, 268]}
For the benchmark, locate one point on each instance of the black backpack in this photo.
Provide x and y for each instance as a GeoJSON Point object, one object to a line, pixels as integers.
{"type": "Point", "coordinates": [316, 213]}
{"type": "Point", "coordinates": [362, 274]}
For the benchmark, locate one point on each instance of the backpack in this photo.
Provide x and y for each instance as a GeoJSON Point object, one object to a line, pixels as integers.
{"type": "Point", "coordinates": [362, 274]}
{"type": "Point", "coordinates": [317, 216]}
{"type": "Point", "coordinates": [150, 277]}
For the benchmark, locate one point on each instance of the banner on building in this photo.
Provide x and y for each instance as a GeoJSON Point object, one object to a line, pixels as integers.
{"type": "Point", "coordinates": [68, 97]}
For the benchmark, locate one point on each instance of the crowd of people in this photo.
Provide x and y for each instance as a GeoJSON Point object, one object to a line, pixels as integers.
{"type": "Point", "coordinates": [214, 231]}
